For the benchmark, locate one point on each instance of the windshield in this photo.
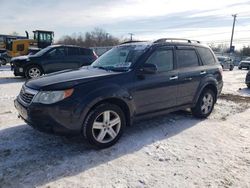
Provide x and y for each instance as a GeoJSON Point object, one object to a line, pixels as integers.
{"type": "Point", "coordinates": [247, 59]}
{"type": "Point", "coordinates": [120, 58]}
{"type": "Point", "coordinates": [41, 52]}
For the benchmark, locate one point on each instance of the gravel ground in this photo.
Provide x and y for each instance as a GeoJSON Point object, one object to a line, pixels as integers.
{"type": "Point", "coordinates": [175, 150]}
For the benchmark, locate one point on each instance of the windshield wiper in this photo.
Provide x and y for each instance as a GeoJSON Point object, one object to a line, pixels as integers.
{"type": "Point", "coordinates": [112, 68]}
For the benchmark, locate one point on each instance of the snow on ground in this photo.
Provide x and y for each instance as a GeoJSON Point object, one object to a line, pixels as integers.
{"type": "Point", "coordinates": [175, 150]}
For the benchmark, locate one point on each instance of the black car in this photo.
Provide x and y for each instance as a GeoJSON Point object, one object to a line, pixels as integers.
{"type": "Point", "coordinates": [51, 59]}
{"type": "Point", "coordinates": [128, 83]}
{"type": "Point", "coordinates": [248, 79]}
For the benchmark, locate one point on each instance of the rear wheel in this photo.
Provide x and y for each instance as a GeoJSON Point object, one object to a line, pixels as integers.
{"type": "Point", "coordinates": [3, 62]}
{"type": "Point", "coordinates": [231, 67]}
{"type": "Point", "coordinates": [248, 85]}
{"type": "Point", "coordinates": [205, 104]}
{"type": "Point", "coordinates": [104, 125]}
{"type": "Point", "coordinates": [33, 72]}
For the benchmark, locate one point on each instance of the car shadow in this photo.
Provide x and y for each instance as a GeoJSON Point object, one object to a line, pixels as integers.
{"type": "Point", "coordinates": [29, 158]}
{"type": "Point", "coordinates": [244, 91]}
{"type": "Point", "coordinates": [9, 80]}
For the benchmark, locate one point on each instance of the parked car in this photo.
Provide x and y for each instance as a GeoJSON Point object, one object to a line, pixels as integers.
{"type": "Point", "coordinates": [51, 59]}
{"type": "Point", "coordinates": [245, 64]}
{"type": "Point", "coordinates": [3, 60]}
{"type": "Point", "coordinates": [248, 79]}
{"type": "Point", "coordinates": [226, 62]}
{"type": "Point", "coordinates": [128, 83]}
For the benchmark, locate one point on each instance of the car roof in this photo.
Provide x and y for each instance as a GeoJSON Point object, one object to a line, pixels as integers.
{"type": "Point", "coordinates": [161, 42]}
{"type": "Point", "coordinates": [65, 45]}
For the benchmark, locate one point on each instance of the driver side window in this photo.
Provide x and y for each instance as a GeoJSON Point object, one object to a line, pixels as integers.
{"type": "Point", "coordinates": [163, 59]}
{"type": "Point", "coordinates": [57, 52]}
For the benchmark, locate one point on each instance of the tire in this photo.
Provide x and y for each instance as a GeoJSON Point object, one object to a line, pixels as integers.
{"type": "Point", "coordinates": [205, 104]}
{"type": "Point", "coordinates": [105, 133]}
{"type": "Point", "coordinates": [33, 71]}
{"type": "Point", "coordinates": [248, 85]}
{"type": "Point", "coordinates": [3, 62]}
{"type": "Point", "coordinates": [231, 67]}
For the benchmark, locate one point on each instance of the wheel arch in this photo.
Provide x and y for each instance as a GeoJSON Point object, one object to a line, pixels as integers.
{"type": "Point", "coordinates": [209, 85]}
{"type": "Point", "coordinates": [34, 64]}
{"type": "Point", "coordinates": [112, 100]}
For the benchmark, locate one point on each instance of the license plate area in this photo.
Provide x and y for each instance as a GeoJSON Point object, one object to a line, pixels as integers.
{"type": "Point", "coordinates": [22, 111]}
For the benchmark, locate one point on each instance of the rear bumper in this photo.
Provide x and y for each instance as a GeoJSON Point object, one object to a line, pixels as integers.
{"type": "Point", "coordinates": [219, 88]}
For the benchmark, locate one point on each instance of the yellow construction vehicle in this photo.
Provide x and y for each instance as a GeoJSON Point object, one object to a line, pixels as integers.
{"type": "Point", "coordinates": [20, 47]}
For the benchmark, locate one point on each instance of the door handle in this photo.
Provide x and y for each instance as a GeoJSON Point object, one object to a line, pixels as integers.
{"type": "Point", "coordinates": [173, 78]}
{"type": "Point", "coordinates": [203, 72]}
{"type": "Point", "coordinates": [188, 79]}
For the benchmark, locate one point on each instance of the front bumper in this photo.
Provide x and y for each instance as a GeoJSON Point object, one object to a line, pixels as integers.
{"type": "Point", "coordinates": [18, 71]}
{"type": "Point", "coordinates": [51, 119]}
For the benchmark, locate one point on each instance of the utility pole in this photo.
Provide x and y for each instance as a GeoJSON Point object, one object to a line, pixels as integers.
{"type": "Point", "coordinates": [131, 36]}
{"type": "Point", "coordinates": [232, 36]}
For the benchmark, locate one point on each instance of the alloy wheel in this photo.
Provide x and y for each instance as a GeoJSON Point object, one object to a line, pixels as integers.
{"type": "Point", "coordinates": [106, 126]}
{"type": "Point", "coordinates": [34, 72]}
{"type": "Point", "coordinates": [207, 103]}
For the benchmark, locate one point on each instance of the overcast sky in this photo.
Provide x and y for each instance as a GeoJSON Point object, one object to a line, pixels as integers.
{"type": "Point", "coordinates": [148, 19]}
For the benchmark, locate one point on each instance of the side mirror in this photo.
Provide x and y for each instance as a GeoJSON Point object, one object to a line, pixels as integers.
{"type": "Point", "coordinates": [148, 68]}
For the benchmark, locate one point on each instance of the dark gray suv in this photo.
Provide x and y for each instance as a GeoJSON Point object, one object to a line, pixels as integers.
{"type": "Point", "coordinates": [130, 82]}
{"type": "Point", "coordinates": [51, 59]}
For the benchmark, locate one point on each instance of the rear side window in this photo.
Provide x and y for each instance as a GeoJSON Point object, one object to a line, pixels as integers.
{"type": "Point", "coordinates": [85, 51]}
{"type": "Point", "coordinates": [163, 59]}
{"type": "Point", "coordinates": [206, 56]}
{"type": "Point", "coordinates": [57, 52]}
{"type": "Point", "coordinates": [187, 58]}
{"type": "Point", "coordinates": [73, 51]}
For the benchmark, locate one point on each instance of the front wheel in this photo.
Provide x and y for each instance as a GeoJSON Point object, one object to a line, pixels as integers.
{"type": "Point", "coordinates": [104, 125]}
{"type": "Point", "coordinates": [33, 72]}
{"type": "Point", "coordinates": [205, 104]}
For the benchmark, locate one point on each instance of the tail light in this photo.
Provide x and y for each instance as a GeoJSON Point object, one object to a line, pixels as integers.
{"type": "Point", "coordinates": [96, 56]}
{"type": "Point", "coordinates": [221, 70]}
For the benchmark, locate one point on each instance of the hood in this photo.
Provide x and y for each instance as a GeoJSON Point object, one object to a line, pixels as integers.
{"type": "Point", "coordinates": [23, 58]}
{"type": "Point", "coordinates": [245, 61]}
{"type": "Point", "coordinates": [68, 78]}
{"type": "Point", "coordinates": [20, 58]}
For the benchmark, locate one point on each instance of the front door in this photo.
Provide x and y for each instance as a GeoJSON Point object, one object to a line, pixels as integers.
{"type": "Point", "coordinates": [155, 92]}
{"type": "Point", "coordinates": [54, 60]}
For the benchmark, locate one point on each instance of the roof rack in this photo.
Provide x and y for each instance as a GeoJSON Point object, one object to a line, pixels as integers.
{"type": "Point", "coordinates": [132, 41]}
{"type": "Point", "coordinates": [176, 39]}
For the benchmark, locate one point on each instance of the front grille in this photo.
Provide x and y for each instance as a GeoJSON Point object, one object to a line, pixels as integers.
{"type": "Point", "coordinates": [26, 95]}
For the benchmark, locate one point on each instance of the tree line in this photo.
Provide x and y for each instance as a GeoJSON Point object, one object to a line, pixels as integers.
{"type": "Point", "coordinates": [96, 38]}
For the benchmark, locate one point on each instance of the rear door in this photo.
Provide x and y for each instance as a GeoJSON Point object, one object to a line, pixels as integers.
{"type": "Point", "coordinates": [86, 56]}
{"type": "Point", "coordinates": [190, 74]}
{"type": "Point", "coordinates": [154, 92]}
{"type": "Point", "coordinates": [72, 59]}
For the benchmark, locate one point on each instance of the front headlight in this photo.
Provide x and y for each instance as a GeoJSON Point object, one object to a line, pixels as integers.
{"type": "Point", "coordinates": [49, 97]}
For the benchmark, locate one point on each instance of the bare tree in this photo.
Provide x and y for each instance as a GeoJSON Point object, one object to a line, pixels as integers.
{"type": "Point", "coordinates": [97, 37]}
